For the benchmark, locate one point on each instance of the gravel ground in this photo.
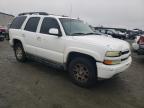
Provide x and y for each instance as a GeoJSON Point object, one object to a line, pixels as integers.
{"type": "Point", "coordinates": [36, 85]}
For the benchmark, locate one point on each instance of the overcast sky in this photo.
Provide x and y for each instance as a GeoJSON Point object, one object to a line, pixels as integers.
{"type": "Point", "coordinates": [113, 13]}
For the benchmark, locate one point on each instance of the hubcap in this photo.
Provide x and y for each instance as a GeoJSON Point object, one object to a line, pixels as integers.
{"type": "Point", "coordinates": [81, 72]}
{"type": "Point", "coordinates": [19, 53]}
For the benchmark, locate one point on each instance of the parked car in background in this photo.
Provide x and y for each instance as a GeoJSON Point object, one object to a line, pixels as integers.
{"type": "Point", "coordinates": [2, 33]}
{"type": "Point", "coordinates": [120, 33]}
{"type": "Point", "coordinates": [97, 32]}
{"type": "Point", "coordinates": [102, 34]}
{"type": "Point", "coordinates": [112, 32]}
{"type": "Point", "coordinates": [133, 34]}
{"type": "Point", "coordinates": [138, 45]}
{"type": "Point", "coordinates": [116, 34]}
{"type": "Point", "coordinates": [7, 32]}
{"type": "Point", "coordinates": [2, 37]}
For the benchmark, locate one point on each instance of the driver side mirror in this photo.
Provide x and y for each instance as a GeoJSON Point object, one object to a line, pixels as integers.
{"type": "Point", "coordinates": [54, 31]}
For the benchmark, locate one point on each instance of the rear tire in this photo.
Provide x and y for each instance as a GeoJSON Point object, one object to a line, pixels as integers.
{"type": "Point", "coordinates": [83, 72]}
{"type": "Point", "coordinates": [19, 52]}
{"type": "Point", "coordinates": [1, 39]}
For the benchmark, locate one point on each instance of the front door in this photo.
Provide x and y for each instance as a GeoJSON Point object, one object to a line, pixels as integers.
{"type": "Point", "coordinates": [52, 46]}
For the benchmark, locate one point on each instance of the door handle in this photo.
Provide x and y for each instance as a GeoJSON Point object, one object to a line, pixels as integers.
{"type": "Point", "coordinates": [23, 35]}
{"type": "Point", "coordinates": [38, 38]}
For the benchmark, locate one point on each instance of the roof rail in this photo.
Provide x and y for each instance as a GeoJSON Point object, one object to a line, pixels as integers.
{"type": "Point", "coordinates": [31, 13]}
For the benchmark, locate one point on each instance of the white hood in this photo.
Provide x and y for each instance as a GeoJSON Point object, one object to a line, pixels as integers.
{"type": "Point", "coordinates": [111, 43]}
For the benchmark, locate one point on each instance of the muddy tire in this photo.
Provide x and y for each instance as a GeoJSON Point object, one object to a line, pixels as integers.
{"type": "Point", "coordinates": [1, 39]}
{"type": "Point", "coordinates": [19, 52]}
{"type": "Point", "coordinates": [83, 72]}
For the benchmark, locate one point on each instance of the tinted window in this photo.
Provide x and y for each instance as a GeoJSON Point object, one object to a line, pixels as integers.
{"type": "Point", "coordinates": [32, 24]}
{"type": "Point", "coordinates": [17, 22]}
{"type": "Point", "coordinates": [49, 23]}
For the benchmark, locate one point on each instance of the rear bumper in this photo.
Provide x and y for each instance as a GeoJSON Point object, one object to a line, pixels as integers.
{"type": "Point", "coordinates": [108, 71]}
{"type": "Point", "coordinates": [141, 47]}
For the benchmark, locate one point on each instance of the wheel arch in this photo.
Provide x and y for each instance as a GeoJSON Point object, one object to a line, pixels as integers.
{"type": "Point", "coordinates": [16, 41]}
{"type": "Point", "coordinates": [74, 54]}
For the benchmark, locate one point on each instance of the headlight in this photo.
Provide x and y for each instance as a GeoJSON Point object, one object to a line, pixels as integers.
{"type": "Point", "coordinates": [113, 54]}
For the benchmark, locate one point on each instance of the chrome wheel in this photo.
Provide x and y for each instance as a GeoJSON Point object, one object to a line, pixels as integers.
{"type": "Point", "coordinates": [80, 72]}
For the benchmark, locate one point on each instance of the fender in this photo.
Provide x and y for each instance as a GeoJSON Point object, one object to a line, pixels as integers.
{"type": "Point", "coordinates": [91, 53]}
{"type": "Point", "coordinates": [17, 37]}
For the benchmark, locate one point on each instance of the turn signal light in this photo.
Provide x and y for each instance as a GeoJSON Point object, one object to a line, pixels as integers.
{"type": "Point", "coordinates": [112, 62]}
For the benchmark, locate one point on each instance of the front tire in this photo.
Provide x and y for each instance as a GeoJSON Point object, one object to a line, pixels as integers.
{"type": "Point", "coordinates": [83, 72]}
{"type": "Point", "coordinates": [19, 52]}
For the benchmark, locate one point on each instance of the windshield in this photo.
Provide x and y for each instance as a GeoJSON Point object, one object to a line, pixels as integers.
{"type": "Point", "coordinates": [73, 27]}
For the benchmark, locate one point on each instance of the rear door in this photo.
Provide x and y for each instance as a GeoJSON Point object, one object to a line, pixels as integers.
{"type": "Point", "coordinates": [15, 30]}
{"type": "Point", "coordinates": [30, 35]}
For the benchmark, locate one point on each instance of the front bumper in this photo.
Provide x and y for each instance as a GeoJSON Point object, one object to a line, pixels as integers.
{"type": "Point", "coordinates": [107, 71]}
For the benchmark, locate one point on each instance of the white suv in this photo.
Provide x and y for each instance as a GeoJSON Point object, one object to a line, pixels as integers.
{"type": "Point", "coordinates": [70, 43]}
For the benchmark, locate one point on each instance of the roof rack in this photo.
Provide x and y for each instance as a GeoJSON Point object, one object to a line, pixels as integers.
{"type": "Point", "coordinates": [33, 13]}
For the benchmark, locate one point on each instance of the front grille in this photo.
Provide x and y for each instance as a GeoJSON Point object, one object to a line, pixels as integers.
{"type": "Point", "coordinates": [125, 52]}
{"type": "Point", "coordinates": [124, 59]}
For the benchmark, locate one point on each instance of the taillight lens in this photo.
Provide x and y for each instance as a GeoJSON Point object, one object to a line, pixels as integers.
{"type": "Point", "coordinates": [2, 30]}
{"type": "Point", "coordinates": [141, 40]}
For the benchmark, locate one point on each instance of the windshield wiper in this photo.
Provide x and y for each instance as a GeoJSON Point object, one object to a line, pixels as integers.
{"type": "Point", "coordinates": [89, 33]}
{"type": "Point", "coordinates": [74, 34]}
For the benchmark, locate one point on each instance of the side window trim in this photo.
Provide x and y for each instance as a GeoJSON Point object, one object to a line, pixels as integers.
{"type": "Point", "coordinates": [40, 24]}
{"type": "Point", "coordinates": [61, 28]}
{"type": "Point", "coordinates": [25, 22]}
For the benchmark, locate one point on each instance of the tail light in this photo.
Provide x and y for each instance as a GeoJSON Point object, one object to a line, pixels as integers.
{"type": "Point", "coordinates": [141, 40]}
{"type": "Point", "coordinates": [2, 30]}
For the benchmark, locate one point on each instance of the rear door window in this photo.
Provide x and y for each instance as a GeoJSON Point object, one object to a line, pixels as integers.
{"type": "Point", "coordinates": [32, 24]}
{"type": "Point", "coordinates": [18, 22]}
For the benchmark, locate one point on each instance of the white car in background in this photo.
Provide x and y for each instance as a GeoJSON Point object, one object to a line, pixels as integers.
{"type": "Point", "coordinates": [135, 44]}
{"type": "Point", "coordinates": [138, 45]}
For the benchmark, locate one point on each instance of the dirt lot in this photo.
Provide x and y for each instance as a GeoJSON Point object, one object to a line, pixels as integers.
{"type": "Point", "coordinates": [35, 85]}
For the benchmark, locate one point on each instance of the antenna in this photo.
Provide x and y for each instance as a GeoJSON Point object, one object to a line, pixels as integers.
{"type": "Point", "coordinates": [70, 16]}
{"type": "Point", "coordinates": [70, 10]}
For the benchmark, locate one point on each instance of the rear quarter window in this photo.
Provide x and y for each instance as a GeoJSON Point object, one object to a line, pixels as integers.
{"type": "Point", "coordinates": [18, 22]}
